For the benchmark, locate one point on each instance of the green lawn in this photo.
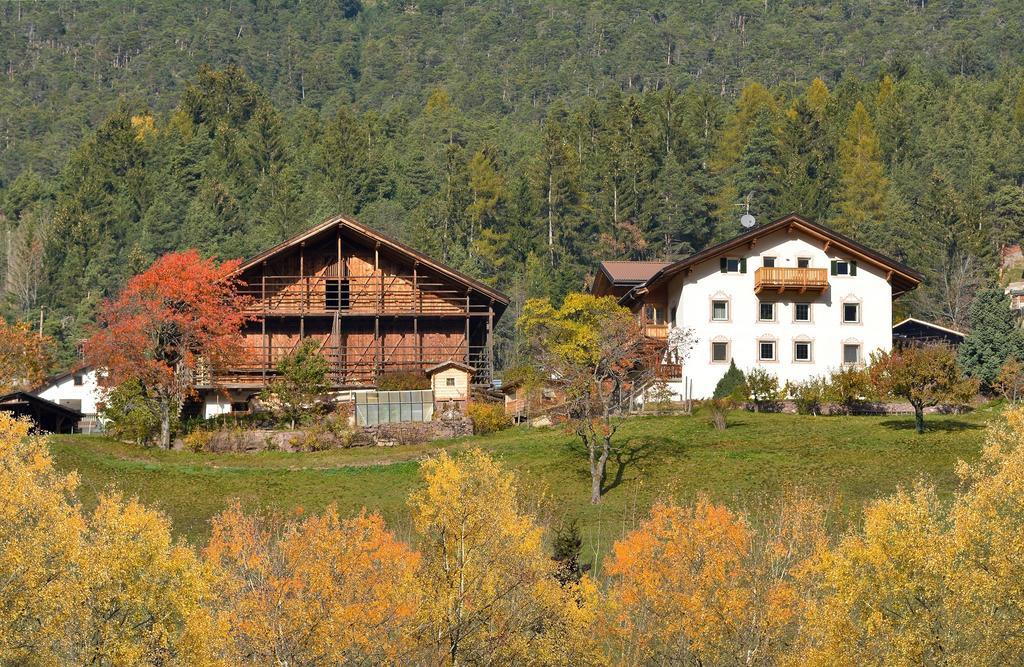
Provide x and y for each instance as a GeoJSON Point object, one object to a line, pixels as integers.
{"type": "Point", "coordinates": [851, 459]}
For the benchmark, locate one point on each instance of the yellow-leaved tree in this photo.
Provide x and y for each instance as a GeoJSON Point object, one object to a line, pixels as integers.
{"type": "Point", "coordinates": [925, 582]}
{"type": "Point", "coordinates": [323, 590]}
{"type": "Point", "coordinates": [110, 588]}
{"type": "Point", "coordinates": [147, 597]}
{"type": "Point", "coordinates": [42, 537]}
{"type": "Point", "coordinates": [489, 590]}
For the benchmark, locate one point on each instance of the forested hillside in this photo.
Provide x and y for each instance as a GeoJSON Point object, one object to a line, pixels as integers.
{"type": "Point", "coordinates": [519, 141]}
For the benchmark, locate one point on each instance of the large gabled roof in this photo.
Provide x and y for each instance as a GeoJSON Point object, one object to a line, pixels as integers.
{"type": "Point", "coordinates": [902, 277]}
{"type": "Point", "coordinates": [374, 236]}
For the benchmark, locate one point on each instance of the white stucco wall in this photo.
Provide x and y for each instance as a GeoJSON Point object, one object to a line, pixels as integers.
{"type": "Point", "coordinates": [65, 389]}
{"type": "Point", "coordinates": [691, 296]}
{"type": "Point", "coordinates": [218, 402]}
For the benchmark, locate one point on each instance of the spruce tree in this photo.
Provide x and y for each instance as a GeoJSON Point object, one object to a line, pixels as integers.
{"type": "Point", "coordinates": [994, 337]}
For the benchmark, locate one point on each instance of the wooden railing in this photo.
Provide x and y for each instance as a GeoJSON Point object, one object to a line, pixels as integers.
{"type": "Point", "coordinates": [787, 278]}
{"type": "Point", "coordinates": [655, 330]}
{"type": "Point", "coordinates": [348, 367]}
{"type": "Point", "coordinates": [355, 295]}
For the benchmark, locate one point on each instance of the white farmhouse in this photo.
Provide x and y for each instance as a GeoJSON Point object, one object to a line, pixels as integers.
{"type": "Point", "coordinates": [77, 389]}
{"type": "Point", "coordinates": [791, 296]}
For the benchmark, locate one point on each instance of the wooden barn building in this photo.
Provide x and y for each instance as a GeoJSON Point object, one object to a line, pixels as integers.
{"type": "Point", "coordinates": [375, 305]}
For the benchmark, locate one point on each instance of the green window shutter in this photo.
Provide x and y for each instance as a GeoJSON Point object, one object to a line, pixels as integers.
{"type": "Point", "coordinates": [835, 269]}
{"type": "Point", "coordinates": [743, 264]}
{"type": "Point", "coordinates": [853, 268]}
{"type": "Point", "coordinates": [723, 264]}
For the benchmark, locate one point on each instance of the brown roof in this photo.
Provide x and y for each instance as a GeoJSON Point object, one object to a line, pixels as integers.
{"type": "Point", "coordinates": [631, 272]}
{"type": "Point", "coordinates": [903, 278]}
{"type": "Point", "coordinates": [374, 235]}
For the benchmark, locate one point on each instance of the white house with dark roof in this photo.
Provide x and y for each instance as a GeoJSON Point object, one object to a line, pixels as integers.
{"type": "Point", "coordinates": [791, 296]}
{"type": "Point", "coordinates": [76, 389]}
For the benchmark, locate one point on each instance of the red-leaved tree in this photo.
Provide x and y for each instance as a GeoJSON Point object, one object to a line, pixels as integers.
{"type": "Point", "coordinates": [181, 310]}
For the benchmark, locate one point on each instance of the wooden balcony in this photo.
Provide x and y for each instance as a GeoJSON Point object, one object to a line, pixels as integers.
{"type": "Point", "coordinates": [655, 330]}
{"type": "Point", "coordinates": [787, 279]}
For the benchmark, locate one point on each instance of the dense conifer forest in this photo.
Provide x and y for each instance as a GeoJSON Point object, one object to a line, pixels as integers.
{"type": "Point", "coordinates": [519, 141]}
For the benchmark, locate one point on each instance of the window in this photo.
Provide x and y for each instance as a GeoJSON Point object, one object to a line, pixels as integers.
{"type": "Point", "coordinates": [766, 350]}
{"type": "Point", "coordinates": [802, 350]}
{"type": "Point", "coordinates": [719, 351]}
{"type": "Point", "coordinates": [803, 262]}
{"type": "Point", "coordinates": [801, 312]}
{"type": "Point", "coordinates": [449, 382]}
{"type": "Point", "coordinates": [851, 313]}
{"type": "Point", "coordinates": [768, 261]}
{"type": "Point", "coordinates": [654, 314]}
{"type": "Point", "coordinates": [239, 406]}
{"type": "Point", "coordinates": [78, 380]}
{"type": "Point", "coordinates": [720, 310]}
{"type": "Point", "coordinates": [841, 267]}
{"type": "Point", "coordinates": [672, 316]}
{"type": "Point", "coordinates": [732, 264]}
{"type": "Point", "coordinates": [767, 312]}
{"type": "Point", "coordinates": [851, 353]}
{"type": "Point", "coordinates": [332, 298]}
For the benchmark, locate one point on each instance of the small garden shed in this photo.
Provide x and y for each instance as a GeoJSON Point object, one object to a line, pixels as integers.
{"type": "Point", "coordinates": [450, 382]}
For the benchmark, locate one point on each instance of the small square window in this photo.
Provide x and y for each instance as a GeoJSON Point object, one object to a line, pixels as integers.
{"type": "Point", "coordinates": [802, 351]}
{"type": "Point", "coordinates": [842, 268]}
{"type": "Point", "coordinates": [768, 261]}
{"type": "Point", "coordinates": [766, 350]}
{"type": "Point", "coordinates": [851, 354]}
{"type": "Point", "coordinates": [720, 310]}
{"type": "Point", "coordinates": [767, 312]}
{"type": "Point", "coordinates": [719, 351]}
{"type": "Point", "coordinates": [78, 380]}
{"type": "Point", "coordinates": [851, 313]}
{"type": "Point", "coordinates": [802, 312]}
{"type": "Point", "coordinates": [449, 382]}
{"type": "Point", "coordinates": [732, 265]}
{"type": "Point", "coordinates": [803, 262]}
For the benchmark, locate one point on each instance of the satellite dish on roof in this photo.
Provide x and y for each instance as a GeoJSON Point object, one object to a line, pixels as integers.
{"type": "Point", "coordinates": [748, 220]}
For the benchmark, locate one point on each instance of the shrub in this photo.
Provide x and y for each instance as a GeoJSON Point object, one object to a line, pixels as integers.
{"type": "Point", "coordinates": [732, 385]}
{"type": "Point", "coordinates": [301, 382]}
{"type": "Point", "coordinates": [809, 395]}
{"type": "Point", "coordinates": [849, 386]}
{"type": "Point", "coordinates": [719, 409]}
{"type": "Point", "coordinates": [402, 381]}
{"type": "Point", "coordinates": [197, 441]}
{"type": "Point", "coordinates": [130, 415]}
{"type": "Point", "coordinates": [1010, 382]}
{"type": "Point", "coordinates": [488, 417]}
{"type": "Point", "coordinates": [762, 387]}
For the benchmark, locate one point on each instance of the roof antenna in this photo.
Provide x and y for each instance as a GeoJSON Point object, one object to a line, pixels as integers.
{"type": "Point", "coordinates": [746, 219]}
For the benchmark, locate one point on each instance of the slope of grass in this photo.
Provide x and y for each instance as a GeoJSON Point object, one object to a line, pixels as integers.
{"type": "Point", "coordinates": [848, 459]}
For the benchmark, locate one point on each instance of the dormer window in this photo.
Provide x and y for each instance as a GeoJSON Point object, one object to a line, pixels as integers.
{"type": "Point", "coordinates": [732, 264]}
{"type": "Point", "coordinates": [841, 267]}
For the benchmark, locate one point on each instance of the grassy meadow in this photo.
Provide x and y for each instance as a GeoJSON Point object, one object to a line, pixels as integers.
{"type": "Point", "coordinates": [847, 460]}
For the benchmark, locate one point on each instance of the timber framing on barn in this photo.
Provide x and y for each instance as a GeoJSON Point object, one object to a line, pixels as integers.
{"type": "Point", "coordinates": [375, 305]}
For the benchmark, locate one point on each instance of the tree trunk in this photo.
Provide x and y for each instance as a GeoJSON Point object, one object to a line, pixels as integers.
{"type": "Point", "coordinates": [165, 424]}
{"type": "Point", "coordinates": [919, 418]}
{"type": "Point", "coordinates": [597, 466]}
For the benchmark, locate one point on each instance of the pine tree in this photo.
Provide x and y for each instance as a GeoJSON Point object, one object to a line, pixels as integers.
{"type": "Point", "coordinates": [864, 187]}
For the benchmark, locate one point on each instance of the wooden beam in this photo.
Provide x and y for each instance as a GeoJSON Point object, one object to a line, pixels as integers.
{"type": "Point", "coordinates": [828, 244]}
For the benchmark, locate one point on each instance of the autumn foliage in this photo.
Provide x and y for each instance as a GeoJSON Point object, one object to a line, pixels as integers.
{"type": "Point", "coordinates": [921, 580]}
{"type": "Point", "coordinates": [25, 356]}
{"type": "Point", "coordinates": [172, 323]}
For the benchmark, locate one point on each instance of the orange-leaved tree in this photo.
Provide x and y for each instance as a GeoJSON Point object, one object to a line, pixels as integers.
{"type": "Point", "coordinates": [25, 356]}
{"type": "Point", "coordinates": [323, 590]}
{"type": "Point", "coordinates": [697, 585]}
{"type": "Point", "coordinates": [596, 349]}
{"type": "Point", "coordinates": [181, 313]}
